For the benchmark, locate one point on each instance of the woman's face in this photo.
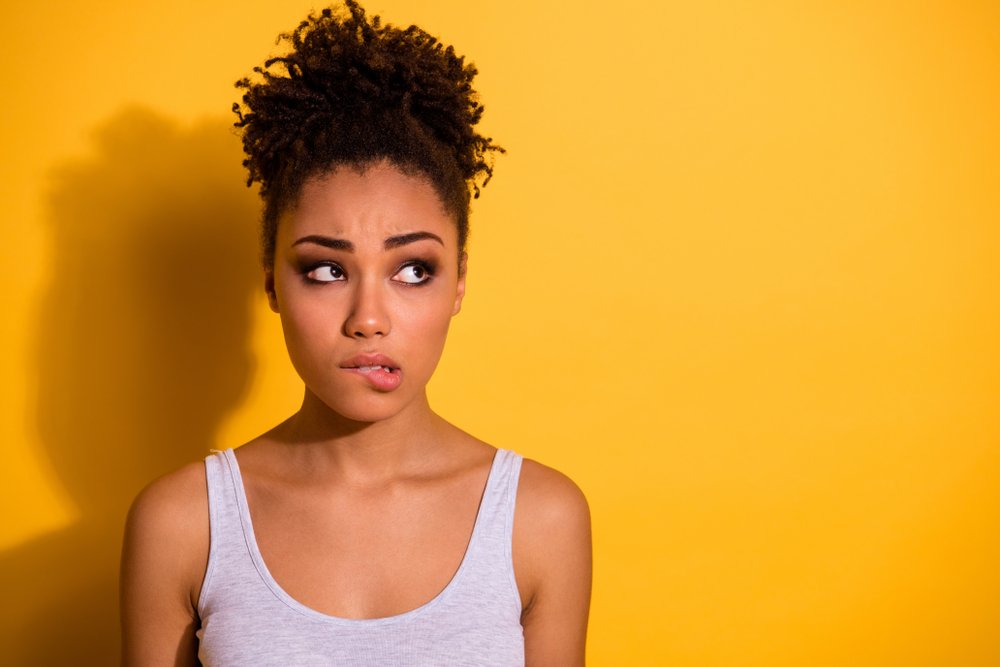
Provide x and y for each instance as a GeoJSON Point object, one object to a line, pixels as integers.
{"type": "Point", "coordinates": [366, 283]}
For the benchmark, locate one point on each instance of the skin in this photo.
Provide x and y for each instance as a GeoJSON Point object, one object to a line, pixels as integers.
{"type": "Point", "coordinates": [376, 465]}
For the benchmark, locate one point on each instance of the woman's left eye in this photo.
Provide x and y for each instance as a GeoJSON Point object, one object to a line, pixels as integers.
{"type": "Point", "coordinates": [413, 274]}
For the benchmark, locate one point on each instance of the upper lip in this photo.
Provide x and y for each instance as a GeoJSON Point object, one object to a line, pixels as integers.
{"type": "Point", "coordinates": [369, 359]}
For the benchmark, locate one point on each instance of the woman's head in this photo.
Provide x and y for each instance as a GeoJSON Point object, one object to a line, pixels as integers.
{"type": "Point", "coordinates": [365, 282]}
{"type": "Point", "coordinates": [352, 92]}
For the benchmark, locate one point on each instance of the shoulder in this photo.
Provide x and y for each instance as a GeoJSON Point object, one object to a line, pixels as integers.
{"type": "Point", "coordinates": [164, 558]}
{"type": "Point", "coordinates": [167, 529]}
{"type": "Point", "coordinates": [170, 502]}
{"type": "Point", "coordinates": [552, 564]}
{"type": "Point", "coordinates": [551, 528]}
{"type": "Point", "coordinates": [548, 498]}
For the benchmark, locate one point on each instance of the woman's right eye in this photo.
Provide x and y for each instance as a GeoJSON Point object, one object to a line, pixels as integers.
{"type": "Point", "coordinates": [325, 273]}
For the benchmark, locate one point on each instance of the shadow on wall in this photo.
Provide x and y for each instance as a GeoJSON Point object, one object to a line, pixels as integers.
{"type": "Point", "coordinates": [142, 348]}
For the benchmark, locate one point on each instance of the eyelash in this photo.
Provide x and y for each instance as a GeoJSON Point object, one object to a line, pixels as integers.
{"type": "Point", "coordinates": [430, 268]}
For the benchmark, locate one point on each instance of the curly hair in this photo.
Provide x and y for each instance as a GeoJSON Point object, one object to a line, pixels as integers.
{"type": "Point", "coordinates": [350, 91]}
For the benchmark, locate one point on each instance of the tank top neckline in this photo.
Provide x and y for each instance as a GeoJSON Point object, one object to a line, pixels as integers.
{"type": "Point", "coordinates": [295, 605]}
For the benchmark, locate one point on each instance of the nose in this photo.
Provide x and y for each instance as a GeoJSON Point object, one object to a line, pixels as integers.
{"type": "Point", "coordinates": [368, 317]}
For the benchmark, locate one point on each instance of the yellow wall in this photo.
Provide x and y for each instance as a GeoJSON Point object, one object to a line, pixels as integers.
{"type": "Point", "coordinates": [737, 276]}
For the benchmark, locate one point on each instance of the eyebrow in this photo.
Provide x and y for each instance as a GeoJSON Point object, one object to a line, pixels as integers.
{"type": "Point", "coordinates": [327, 242]}
{"type": "Point", "coordinates": [388, 244]}
{"type": "Point", "coordinates": [405, 239]}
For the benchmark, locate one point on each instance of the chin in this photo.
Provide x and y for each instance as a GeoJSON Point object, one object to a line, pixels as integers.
{"type": "Point", "coordinates": [368, 409]}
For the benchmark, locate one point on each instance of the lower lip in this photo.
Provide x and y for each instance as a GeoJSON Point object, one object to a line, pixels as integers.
{"type": "Point", "coordinates": [380, 379]}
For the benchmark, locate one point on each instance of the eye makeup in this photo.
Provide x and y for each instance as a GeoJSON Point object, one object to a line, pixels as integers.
{"type": "Point", "coordinates": [415, 272]}
{"type": "Point", "coordinates": [321, 273]}
{"type": "Point", "coordinates": [411, 272]}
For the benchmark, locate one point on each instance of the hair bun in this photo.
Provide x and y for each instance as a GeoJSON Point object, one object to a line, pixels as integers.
{"type": "Point", "coordinates": [342, 68]}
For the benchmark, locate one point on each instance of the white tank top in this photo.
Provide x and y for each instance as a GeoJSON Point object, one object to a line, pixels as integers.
{"type": "Point", "coordinates": [247, 619]}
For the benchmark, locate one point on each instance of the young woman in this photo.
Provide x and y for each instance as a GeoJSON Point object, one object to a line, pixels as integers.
{"type": "Point", "coordinates": [364, 529]}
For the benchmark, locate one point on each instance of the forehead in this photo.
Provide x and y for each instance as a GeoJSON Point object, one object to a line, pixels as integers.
{"type": "Point", "coordinates": [367, 205]}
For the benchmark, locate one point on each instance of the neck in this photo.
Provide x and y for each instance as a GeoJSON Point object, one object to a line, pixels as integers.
{"type": "Point", "coordinates": [329, 445]}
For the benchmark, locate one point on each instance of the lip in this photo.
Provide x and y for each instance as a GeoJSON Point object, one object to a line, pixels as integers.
{"type": "Point", "coordinates": [380, 371]}
{"type": "Point", "coordinates": [373, 359]}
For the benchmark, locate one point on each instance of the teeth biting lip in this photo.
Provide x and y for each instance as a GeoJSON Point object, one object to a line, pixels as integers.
{"type": "Point", "coordinates": [379, 371]}
{"type": "Point", "coordinates": [369, 369]}
{"type": "Point", "coordinates": [367, 363]}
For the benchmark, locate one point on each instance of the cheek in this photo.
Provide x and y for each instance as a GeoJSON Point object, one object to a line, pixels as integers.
{"type": "Point", "coordinates": [310, 316]}
{"type": "Point", "coordinates": [308, 327]}
{"type": "Point", "coordinates": [424, 329]}
{"type": "Point", "coordinates": [431, 312]}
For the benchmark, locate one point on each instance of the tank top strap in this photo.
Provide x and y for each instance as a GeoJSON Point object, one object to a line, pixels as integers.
{"type": "Point", "coordinates": [500, 492]}
{"type": "Point", "coordinates": [227, 538]}
{"type": "Point", "coordinates": [490, 552]}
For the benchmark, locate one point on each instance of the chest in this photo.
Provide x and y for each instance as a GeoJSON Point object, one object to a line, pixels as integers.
{"type": "Point", "coordinates": [364, 554]}
{"type": "Point", "coordinates": [415, 577]}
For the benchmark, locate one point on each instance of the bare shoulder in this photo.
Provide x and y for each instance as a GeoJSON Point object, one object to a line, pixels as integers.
{"type": "Point", "coordinates": [548, 498]}
{"type": "Point", "coordinates": [552, 565]}
{"type": "Point", "coordinates": [174, 506]}
{"type": "Point", "coordinates": [164, 557]}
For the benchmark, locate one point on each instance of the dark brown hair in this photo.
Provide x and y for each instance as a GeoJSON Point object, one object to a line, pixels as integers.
{"type": "Point", "coordinates": [350, 91]}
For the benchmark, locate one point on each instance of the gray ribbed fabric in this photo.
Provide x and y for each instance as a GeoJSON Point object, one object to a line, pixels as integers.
{"type": "Point", "coordinates": [247, 619]}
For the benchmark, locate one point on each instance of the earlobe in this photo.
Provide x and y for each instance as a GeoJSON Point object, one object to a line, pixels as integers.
{"type": "Point", "coordinates": [463, 266]}
{"type": "Point", "coordinates": [272, 297]}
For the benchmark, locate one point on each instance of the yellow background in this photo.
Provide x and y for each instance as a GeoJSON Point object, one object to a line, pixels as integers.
{"type": "Point", "coordinates": [737, 276]}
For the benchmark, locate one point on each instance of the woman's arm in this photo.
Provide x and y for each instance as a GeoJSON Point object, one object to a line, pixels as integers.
{"type": "Point", "coordinates": [552, 558]}
{"type": "Point", "coordinates": [164, 557]}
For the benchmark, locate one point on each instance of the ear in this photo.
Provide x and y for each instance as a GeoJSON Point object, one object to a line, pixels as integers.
{"type": "Point", "coordinates": [272, 297]}
{"type": "Point", "coordinates": [463, 266]}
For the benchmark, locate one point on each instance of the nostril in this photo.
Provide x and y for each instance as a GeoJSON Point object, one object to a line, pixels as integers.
{"type": "Point", "coordinates": [362, 334]}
